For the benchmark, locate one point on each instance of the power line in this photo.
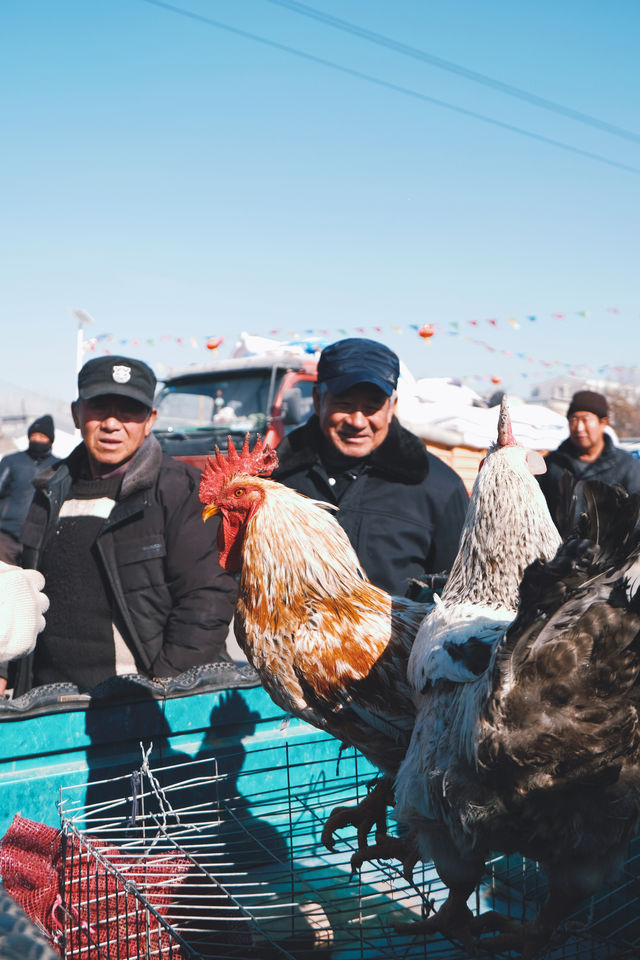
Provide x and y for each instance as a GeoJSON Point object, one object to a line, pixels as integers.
{"type": "Point", "coordinates": [417, 54]}
{"type": "Point", "coordinates": [349, 71]}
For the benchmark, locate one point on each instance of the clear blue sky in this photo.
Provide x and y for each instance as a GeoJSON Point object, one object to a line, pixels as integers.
{"type": "Point", "coordinates": [177, 179]}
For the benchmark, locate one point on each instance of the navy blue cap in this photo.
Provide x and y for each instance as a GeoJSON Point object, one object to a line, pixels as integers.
{"type": "Point", "coordinates": [121, 376]}
{"type": "Point", "coordinates": [357, 360]}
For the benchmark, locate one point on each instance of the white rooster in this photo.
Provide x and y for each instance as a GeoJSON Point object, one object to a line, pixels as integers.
{"type": "Point", "coordinates": [507, 526]}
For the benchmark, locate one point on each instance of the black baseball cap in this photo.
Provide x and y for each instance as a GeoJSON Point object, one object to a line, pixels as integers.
{"type": "Point", "coordinates": [121, 376]}
{"type": "Point", "coordinates": [358, 360]}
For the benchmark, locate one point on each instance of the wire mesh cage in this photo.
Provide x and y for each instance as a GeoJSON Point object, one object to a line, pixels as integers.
{"type": "Point", "coordinates": [220, 858]}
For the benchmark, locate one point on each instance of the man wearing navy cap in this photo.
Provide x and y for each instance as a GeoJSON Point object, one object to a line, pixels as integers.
{"type": "Point", "coordinates": [401, 507]}
{"type": "Point", "coordinates": [131, 572]}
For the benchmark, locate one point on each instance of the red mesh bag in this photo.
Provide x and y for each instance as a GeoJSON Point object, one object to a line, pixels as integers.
{"type": "Point", "coordinates": [103, 918]}
{"type": "Point", "coordinates": [106, 920]}
{"type": "Point", "coordinates": [31, 868]}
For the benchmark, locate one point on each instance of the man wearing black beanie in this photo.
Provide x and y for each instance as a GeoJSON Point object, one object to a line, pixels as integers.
{"type": "Point", "coordinates": [17, 471]}
{"type": "Point", "coordinates": [587, 454]}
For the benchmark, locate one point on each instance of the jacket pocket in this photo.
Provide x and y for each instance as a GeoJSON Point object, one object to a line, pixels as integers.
{"type": "Point", "coordinates": [141, 562]}
{"type": "Point", "coordinates": [141, 550]}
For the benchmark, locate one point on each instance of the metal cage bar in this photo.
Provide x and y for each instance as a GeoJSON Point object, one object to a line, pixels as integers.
{"type": "Point", "coordinates": [221, 858]}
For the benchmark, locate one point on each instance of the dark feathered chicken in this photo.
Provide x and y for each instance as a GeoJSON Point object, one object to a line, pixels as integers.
{"type": "Point", "coordinates": [541, 756]}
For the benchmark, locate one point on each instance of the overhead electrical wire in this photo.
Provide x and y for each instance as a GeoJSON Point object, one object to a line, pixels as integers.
{"type": "Point", "coordinates": [355, 30]}
{"type": "Point", "coordinates": [397, 88]}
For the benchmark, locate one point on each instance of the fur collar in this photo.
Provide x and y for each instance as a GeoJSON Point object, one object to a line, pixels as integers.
{"type": "Point", "coordinates": [402, 456]}
{"type": "Point", "coordinates": [139, 475]}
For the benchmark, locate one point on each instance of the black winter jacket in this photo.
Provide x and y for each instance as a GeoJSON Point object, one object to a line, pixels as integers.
{"type": "Point", "coordinates": [403, 512]}
{"type": "Point", "coordinates": [160, 561]}
{"type": "Point", "coordinates": [17, 471]}
{"type": "Point", "coordinates": [612, 466]}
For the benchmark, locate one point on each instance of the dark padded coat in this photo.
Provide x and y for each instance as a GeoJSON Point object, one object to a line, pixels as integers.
{"type": "Point", "coordinates": [612, 466]}
{"type": "Point", "coordinates": [403, 512]}
{"type": "Point", "coordinates": [159, 558]}
{"type": "Point", "coordinates": [17, 471]}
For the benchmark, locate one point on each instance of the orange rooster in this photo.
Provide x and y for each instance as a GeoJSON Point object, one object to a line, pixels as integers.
{"type": "Point", "coordinates": [329, 646]}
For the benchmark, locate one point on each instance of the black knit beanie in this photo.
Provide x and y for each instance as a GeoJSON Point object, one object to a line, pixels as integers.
{"type": "Point", "coordinates": [590, 402]}
{"type": "Point", "coordinates": [42, 425]}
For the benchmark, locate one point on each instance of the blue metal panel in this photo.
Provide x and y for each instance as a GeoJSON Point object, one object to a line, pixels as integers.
{"type": "Point", "coordinates": [96, 740]}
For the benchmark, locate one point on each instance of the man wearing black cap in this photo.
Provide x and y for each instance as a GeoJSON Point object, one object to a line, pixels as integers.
{"type": "Point", "coordinates": [17, 471]}
{"type": "Point", "coordinates": [401, 507]}
{"type": "Point", "coordinates": [587, 454]}
{"type": "Point", "coordinates": [131, 572]}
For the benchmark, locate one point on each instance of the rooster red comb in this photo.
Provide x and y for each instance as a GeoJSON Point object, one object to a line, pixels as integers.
{"type": "Point", "coordinates": [261, 461]}
{"type": "Point", "coordinates": [505, 433]}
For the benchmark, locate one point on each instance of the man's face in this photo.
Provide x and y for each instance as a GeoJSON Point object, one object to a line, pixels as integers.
{"type": "Point", "coordinates": [112, 428]}
{"type": "Point", "coordinates": [356, 421]}
{"type": "Point", "coordinates": [38, 437]}
{"type": "Point", "coordinates": [586, 431]}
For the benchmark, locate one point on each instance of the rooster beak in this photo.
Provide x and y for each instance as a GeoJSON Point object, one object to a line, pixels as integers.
{"type": "Point", "coordinates": [209, 511]}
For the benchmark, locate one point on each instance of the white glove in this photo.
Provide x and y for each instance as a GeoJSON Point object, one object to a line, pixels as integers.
{"type": "Point", "coordinates": [22, 606]}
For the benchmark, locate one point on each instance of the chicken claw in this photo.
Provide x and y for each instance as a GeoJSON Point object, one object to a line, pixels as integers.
{"type": "Point", "coordinates": [528, 940]}
{"type": "Point", "coordinates": [453, 920]}
{"type": "Point", "coordinates": [368, 813]}
{"type": "Point", "coordinates": [389, 848]}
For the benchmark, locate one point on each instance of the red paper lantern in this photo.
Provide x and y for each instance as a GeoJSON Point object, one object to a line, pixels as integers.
{"type": "Point", "coordinates": [214, 342]}
{"type": "Point", "coordinates": [496, 379]}
{"type": "Point", "coordinates": [426, 332]}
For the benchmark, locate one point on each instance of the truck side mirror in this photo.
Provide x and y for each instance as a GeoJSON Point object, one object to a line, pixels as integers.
{"type": "Point", "coordinates": [291, 409]}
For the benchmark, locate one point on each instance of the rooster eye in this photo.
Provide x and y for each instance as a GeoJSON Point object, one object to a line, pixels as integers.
{"type": "Point", "coordinates": [238, 492]}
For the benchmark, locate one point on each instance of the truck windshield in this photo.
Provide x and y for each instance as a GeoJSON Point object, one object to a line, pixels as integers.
{"type": "Point", "coordinates": [232, 402]}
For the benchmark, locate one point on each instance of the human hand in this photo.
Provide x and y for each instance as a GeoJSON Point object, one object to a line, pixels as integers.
{"type": "Point", "coordinates": [22, 609]}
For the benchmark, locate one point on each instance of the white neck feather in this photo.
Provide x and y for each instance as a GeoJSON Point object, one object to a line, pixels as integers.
{"type": "Point", "coordinates": [508, 525]}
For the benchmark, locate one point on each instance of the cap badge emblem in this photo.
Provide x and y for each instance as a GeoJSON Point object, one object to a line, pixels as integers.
{"type": "Point", "coordinates": [121, 374]}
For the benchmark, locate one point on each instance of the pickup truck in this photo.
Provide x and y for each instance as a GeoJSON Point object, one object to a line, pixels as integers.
{"type": "Point", "coordinates": [199, 407]}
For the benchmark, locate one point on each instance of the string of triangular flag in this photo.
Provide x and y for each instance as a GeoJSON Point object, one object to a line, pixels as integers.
{"type": "Point", "coordinates": [314, 338]}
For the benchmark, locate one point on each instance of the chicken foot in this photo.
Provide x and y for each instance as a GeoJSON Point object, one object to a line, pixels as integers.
{"type": "Point", "coordinates": [368, 813]}
{"type": "Point", "coordinates": [453, 920]}
{"type": "Point", "coordinates": [530, 939]}
{"type": "Point", "coordinates": [389, 848]}
{"type": "Point", "coordinates": [460, 874]}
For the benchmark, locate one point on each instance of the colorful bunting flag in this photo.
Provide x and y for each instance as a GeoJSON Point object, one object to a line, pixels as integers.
{"type": "Point", "coordinates": [426, 331]}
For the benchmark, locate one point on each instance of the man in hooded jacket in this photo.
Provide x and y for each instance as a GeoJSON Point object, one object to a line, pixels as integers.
{"type": "Point", "coordinates": [17, 471]}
